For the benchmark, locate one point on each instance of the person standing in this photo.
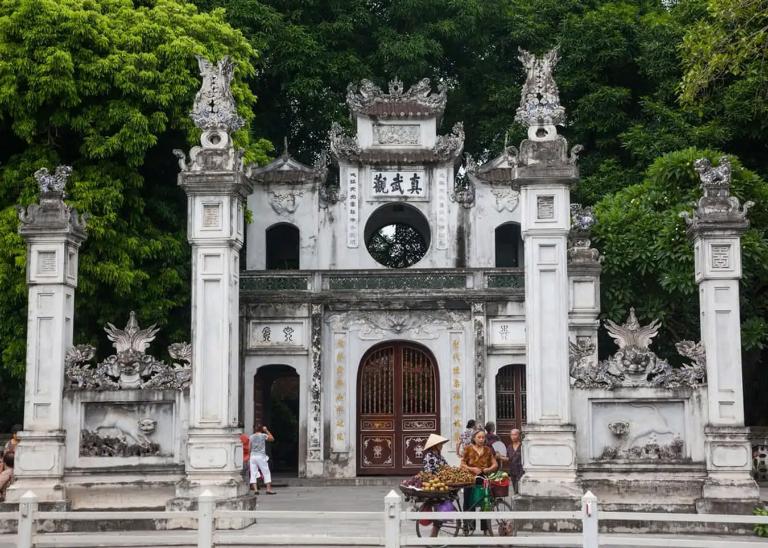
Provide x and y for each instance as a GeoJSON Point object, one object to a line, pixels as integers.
{"type": "Point", "coordinates": [6, 476]}
{"type": "Point", "coordinates": [258, 462]}
{"type": "Point", "coordinates": [10, 446]}
{"type": "Point", "coordinates": [465, 438]}
{"type": "Point", "coordinates": [515, 457]}
{"type": "Point", "coordinates": [246, 441]}
{"type": "Point", "coordinates": [490, 434]}
{"type": "Point", "coordinates": [433, 458]}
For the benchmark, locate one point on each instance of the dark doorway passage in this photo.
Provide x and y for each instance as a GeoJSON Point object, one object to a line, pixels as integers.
{"type": "Point", "coordinates": [276, 404]}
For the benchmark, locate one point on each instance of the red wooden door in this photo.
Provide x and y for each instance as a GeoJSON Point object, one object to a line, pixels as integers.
{"type": "Point", "coordinates": [398, 407]}
{"type": "Point", "coordinates": [510, 400]}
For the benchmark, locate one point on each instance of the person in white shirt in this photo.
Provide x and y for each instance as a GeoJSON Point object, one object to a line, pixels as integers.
{"type": "Point", "coordinates": [258, 441]}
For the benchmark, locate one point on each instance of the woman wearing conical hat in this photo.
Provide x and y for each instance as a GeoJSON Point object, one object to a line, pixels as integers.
{"type": "Point", "coordinates": [433, 458]}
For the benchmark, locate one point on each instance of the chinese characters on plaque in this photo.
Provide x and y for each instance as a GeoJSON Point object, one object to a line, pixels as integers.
{"type": "Point", "coordinates": [398, 183]}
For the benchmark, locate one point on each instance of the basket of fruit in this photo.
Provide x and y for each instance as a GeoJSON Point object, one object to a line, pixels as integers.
{"type": "Point", "coordinates": [426, 486]}
{"type": "Point", "coordinates": [455, 477]}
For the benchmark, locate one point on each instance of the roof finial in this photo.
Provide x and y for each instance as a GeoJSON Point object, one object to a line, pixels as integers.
{"type": "Point", "coordinates": [285, 146]}
{"type": "Point", "coordinates": [540, 101]}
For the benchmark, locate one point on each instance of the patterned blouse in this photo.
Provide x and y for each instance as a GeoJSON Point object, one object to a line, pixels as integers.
{"type": "Point", "coordinates": [478, 459]}
{"type": "Point", "coordinates": [433, 461]}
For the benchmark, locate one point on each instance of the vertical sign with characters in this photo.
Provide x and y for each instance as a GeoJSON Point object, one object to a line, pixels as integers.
{"type": "Point", "coordinates": [339, 437]}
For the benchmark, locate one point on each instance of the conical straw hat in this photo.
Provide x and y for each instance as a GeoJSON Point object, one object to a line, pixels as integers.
{"type": "Point", "coordinates": [434, 440]}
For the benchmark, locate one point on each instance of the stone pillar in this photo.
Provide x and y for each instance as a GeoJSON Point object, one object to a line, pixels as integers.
{"type": "Point", "coordinates": [216, 187]}
{"type": "Point", "coordinates": [715, 229]}
{"type": "Point", "coordinates": [53, 232]}
{"type": "Point", "coordinates": [478, 325]}
{"type": "Point", "coordinates": [583, 283]}
{"type": "Point", "coordinates": [315, 411]}
{"type": "Point", "coordinates": [545, 171]}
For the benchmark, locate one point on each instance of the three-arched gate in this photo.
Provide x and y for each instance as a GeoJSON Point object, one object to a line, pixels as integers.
{"type": "Point", "coordinates": [398, 406]}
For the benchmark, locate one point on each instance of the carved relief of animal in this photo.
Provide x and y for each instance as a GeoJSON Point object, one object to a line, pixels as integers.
{"type": "Point", "coordinates": [127, 425]}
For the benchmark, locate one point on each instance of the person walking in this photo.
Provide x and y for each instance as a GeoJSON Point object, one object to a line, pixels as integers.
{"type": "Point", "coordinates": [515, 458]}
{"type": "Point", "coordinates": [258, 462]}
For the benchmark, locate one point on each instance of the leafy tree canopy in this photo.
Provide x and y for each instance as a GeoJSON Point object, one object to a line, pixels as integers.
{"type": "Point", "coordinates": [106, 86]}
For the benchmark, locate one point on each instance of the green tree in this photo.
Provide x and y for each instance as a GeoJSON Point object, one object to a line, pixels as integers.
{"type": "Point", "coordinates": [648, 260]}
{"type": "Point", "coordinates": [726, 74]}
{"type": "Point", "coordinates": [106, 86]}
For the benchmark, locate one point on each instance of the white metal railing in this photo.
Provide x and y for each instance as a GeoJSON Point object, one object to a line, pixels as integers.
{"type": "Point", "coordinates": [397, 523]}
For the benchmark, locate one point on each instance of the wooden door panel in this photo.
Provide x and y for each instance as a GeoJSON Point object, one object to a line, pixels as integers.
{"type": "Point", "coordinates": [398, 407]}
{"type": "Point", "coordinates": [511, 397]}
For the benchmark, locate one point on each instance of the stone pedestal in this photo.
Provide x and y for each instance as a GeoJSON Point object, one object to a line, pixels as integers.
{"type": "Point", "coordinates": [716, 228]}
{"type": "Point", "coordinates": [53, 232]}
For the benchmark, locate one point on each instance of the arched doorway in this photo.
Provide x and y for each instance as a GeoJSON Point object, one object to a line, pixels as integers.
{"type": "Point", "coordinates": [276, 404]}
{"type": "Point", "coordinates": [283, 247]}
{"type": "Point", "coordinates": [398, 406]}
{"type": "Point", "coordinates": [510, 399]}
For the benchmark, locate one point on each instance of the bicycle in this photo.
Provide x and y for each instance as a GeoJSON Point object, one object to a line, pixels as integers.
{"type": "Point", "coordinates": [489, 502]}
{"type": "Point", "coordinates": [438, 528]}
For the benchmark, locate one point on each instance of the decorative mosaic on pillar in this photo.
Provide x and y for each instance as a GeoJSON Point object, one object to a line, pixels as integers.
{"type": "Point", "coordinates": [315, 448]}
{"type": "Point", "coordinates": [456, 387]}
{"type": "Point", "coordinates": [478, 322]}
{"type": "Point", "coordinates": [340, 437]}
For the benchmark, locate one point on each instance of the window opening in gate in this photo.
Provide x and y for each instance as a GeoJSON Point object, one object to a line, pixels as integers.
{"type": "Point", "coordinates": [509, 245]}
{"type": "Point", "coordinates": [397, 235]}
{"type": "Point", "coordinates": [283, 244]}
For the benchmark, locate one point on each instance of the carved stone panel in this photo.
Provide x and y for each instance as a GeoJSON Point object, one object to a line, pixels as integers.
{"type": "Point", "coordinates": [144, 429]}
{"type": "Point", "coordinates": [396, 134]}
{"type": "Point", "coordinates": [652, 431]}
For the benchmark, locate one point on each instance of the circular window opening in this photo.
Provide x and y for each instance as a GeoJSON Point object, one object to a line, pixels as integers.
{"type": "Point", "coordinates": [397, 235]}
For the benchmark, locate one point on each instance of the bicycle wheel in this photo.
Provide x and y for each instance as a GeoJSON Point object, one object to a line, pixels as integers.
{"type": "Point", "coordinates": [502, 527]}
{"type": "Point", "coordinates": [437, 528]}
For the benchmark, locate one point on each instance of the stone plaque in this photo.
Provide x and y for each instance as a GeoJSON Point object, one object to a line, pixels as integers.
{"type": "Point", "coordinates": [276, 333]}
{"type": "Point", "coordinates": [507, 332]}
{"type": "Point", "coordinates": [46, 262]}
{"type": "Point", "coordinates": [396, 134]}
{"type": "Point", "coordinates": [211, 215]}
{"type": "Point", "coordinates": [721, 257]}
{"type": "Point", "coordinates": [398, 183]}
{"type": "Point", "coordinates": [545, 207]}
